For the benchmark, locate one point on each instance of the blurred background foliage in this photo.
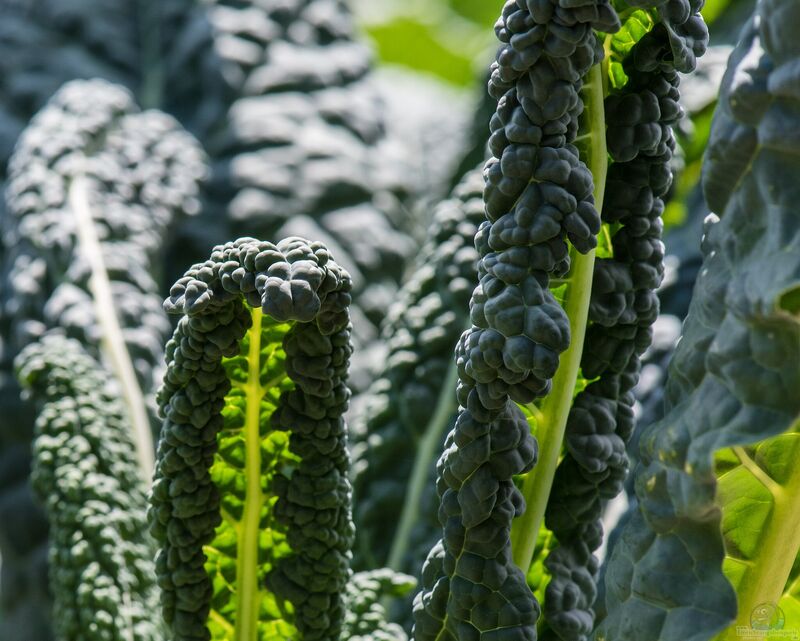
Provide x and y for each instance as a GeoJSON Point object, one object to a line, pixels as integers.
{"type": "Point", "coordinates": [449, 39]}
{"type": "Point", "coordinates": [453, 39]}
{"type": "Point", "coordinates": [451, 42]}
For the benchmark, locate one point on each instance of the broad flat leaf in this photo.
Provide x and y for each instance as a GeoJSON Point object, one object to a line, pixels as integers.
{"type": "Point", "coordinates": [735, 377]}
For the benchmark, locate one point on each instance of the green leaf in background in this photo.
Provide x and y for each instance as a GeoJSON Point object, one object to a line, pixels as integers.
{"type": "Point", "coordinates": [423, 46]}
{"type": "Point", "coordinates": [251, 500]}
{"type": "Point", "coordinates": [718, 11]}
{"type": "Point", "coordinates": [477, 11]}
{"type": "Point", "coordinates": [412, 43]}
{"type": "Point", "coordinates": [450, 39]}
{"type": "Point", "coordinates": [714, 8]}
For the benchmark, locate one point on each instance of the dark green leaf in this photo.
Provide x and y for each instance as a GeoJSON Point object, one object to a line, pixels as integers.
{"type": "Point", "coordinates": [101, 557]}
{"type": "Point", "coordinates": [251, 501]}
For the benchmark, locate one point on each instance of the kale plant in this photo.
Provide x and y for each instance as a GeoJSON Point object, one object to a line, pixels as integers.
{"type": "Point", "coordinates": [511, 352]}
{"type": "Point", "coordinates": [223, 70]}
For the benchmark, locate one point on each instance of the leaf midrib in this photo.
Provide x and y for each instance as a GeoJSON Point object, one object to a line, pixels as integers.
{"type": "Point", "coordinates": [249, 595]}
{"type": "Point", "coordinates": [554, 408]}
{"type": "Point", "coordinates": [112, 338]}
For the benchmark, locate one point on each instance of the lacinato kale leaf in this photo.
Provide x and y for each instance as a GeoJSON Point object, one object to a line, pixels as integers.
{"type": "Point", "coordinates": [399, 426]}
{"type": "Point", "coordinates": [733, 380]}
{"type": "Point", "coordinates": [366, 619]}
{"type": "Point", "coordinates": [251, 500]}
{"type": "Point", "coordinates": [44, 44]}
{"type": "Point", "coordinates": [101, 556]}
{"type": "Point", "coordinates": [94, 186]}
{"type": "Point", "coordinates": [538, 195]}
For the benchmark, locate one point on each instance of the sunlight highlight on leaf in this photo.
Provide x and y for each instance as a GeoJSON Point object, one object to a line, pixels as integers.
{"type": "Point", "coordinates": [620, 44]}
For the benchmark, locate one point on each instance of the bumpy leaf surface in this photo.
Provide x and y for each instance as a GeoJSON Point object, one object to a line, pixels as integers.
{"type": "Point", "coordinates": [93, 174]}
{"type": "Point", "coordinates": [641, 110]}
{"type": "Point", "coordinates": [735, 374]}
{"type": "Point", "coordinates": [101, 557]}
{"type": "Point", "coordinates": [400, 425]}
{"type": "Point", "coordinates": [685, 210]}
{"type": "Point", "coordinates": [538, 194]}
{"type": "Point", "coordinates": [366, 617]}
{"type": "Point", "coordinates": [251, 501]}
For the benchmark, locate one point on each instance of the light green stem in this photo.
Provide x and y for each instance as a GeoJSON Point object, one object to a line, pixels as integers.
{"type": "Point", "coordinates": [554, 408]}
{"type": "Point", "coordinates": [248, 592]}
{"type": "Point", "coordinates": [113, 341]}
{"type": "Point", "coordinates": [431, 442]}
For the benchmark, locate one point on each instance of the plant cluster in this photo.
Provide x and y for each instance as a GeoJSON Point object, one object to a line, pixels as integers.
{"type": "Point", "coordinates": [355, 422]}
